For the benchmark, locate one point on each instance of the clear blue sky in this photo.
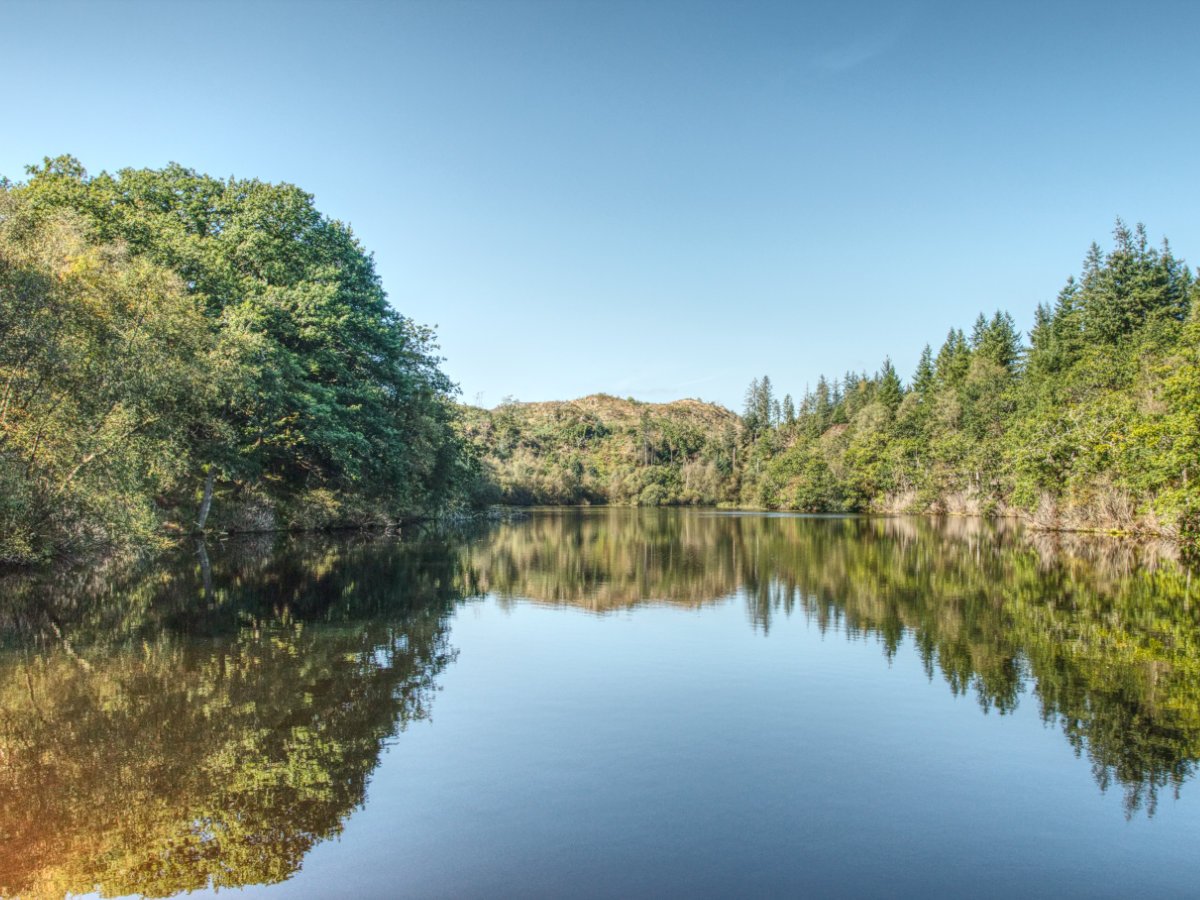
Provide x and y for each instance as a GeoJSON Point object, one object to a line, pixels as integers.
{"type": "Point", "coordinates": [654, 199]}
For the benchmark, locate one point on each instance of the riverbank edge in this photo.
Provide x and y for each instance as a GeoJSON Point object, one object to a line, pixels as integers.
{"type": "Point", "coordinates": [172, 539]}
{"type": "Point", "coordinates": [498, 513]}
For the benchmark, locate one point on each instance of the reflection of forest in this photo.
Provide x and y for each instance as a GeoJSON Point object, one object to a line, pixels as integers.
{"type": "Point", "coordinates": [135, 760]}
{"type": "Point", "coordinates": [1105, 633]}
{"type": "Point", "coordinates": [608, 558]}
{"type": "Point", "coordinates": [168, 727]}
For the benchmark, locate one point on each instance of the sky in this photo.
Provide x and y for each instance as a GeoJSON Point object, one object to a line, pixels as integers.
{"type": "Point", "coordinates": [654, 199]}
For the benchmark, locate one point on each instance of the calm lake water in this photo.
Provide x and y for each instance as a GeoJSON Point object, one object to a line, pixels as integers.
{"type": "Point", "coordinates": [608, 703]}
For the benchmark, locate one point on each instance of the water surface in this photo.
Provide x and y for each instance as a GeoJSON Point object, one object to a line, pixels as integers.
{"type": "Point", "coordinates": [607, 703]}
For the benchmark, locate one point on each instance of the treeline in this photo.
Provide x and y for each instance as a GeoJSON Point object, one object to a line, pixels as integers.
{"type": "Point", "coordinates": [1094, 422]}
{"type": "Point", "coordinates": [604, 449]}
{"type": "Point", "coordinates": [179, 351]}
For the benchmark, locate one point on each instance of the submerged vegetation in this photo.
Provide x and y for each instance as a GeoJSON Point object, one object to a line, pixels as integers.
{"type": "Point", "coordinates": [1092, 424]}
{"type": "Point", "coordinates": [180, 352]}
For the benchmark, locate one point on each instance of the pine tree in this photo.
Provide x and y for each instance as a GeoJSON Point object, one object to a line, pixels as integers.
{"type": "Point", "coordinates": [953, 359]}
{"type": "Point", "coordinates": [750, 409]}
{"type": "Point", "coordinates": [979, 332]}
{"type": "Point", "coordinates": [825, 400]}
{"type": "Point", "coordinates": [999, 341]}
{"type": "Point", "coordinates": [766, 402]}
{"type": "Point", "coordinates": [889, 390]}
{"type": "Point", "coordinates": [761, 409]}
{"type": "Point", "coordinates": [923, 379]}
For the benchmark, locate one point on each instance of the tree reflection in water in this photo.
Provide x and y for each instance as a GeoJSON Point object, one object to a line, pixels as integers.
{"type": "Point", "coordinates": [159, 734]}
{"type": "Point", "coordinates": [166, 727]}
{"type": "Point", "coordinates": [1104, 633]}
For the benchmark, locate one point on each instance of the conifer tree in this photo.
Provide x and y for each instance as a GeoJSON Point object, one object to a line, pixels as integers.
{"type": "Point", "coordinates": [889, 391]}
{"type": "Point", "coordinates": [923, 379]}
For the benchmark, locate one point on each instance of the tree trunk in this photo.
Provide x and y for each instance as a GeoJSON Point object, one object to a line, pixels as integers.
{"type": "Point", "coordinates": [205, 569]}
{"type": "Point", "coordinates": [206, 502]}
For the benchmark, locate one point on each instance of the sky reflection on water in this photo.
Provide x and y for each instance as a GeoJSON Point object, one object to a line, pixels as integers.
{"type": "Point", "coordinates": [608, 702]}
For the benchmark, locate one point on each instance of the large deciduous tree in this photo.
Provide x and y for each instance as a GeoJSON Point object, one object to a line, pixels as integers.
{"type": "Point", "coordinates": [336, 387]}
{"type": "Point", "coordinates": [312, 387]}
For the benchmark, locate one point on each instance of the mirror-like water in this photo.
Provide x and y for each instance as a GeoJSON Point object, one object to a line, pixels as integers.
{"type": "Point", "coordinates": [607, 703]}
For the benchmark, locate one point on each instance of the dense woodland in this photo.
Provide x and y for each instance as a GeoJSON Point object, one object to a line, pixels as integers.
{"type": "Point", "coordinates": [603, 449]}
{"type": "Point", "coordinates": [180, 352]}
{"type": "Point", "coordinates": [1094, 422]}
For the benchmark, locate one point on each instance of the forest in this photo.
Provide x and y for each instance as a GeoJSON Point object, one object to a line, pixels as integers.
{"type": "Point", "coordinates": [181, 353]}
{"type": "Point", "coordinates": [1092, 423]}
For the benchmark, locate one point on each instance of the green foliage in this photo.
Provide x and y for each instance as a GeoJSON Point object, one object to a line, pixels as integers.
{"type": "Point", "coordinates": [292, 381]}
{"type": "Point", "coordinates": [165, 333]}
{"type": "Point", "coordinates": [1095, 425]}
{"type": "Point", "coordinates": [104, 366]}
{"type": "Point", "coordinates": [760, 415]}
{"type": "Point", "coordinates": [605, 450]}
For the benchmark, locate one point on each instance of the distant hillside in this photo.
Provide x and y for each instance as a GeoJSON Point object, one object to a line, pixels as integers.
{"type": "Point", "coordinates": [602, 449]}
{"type": "Point", "coordinates": [1093, 424]}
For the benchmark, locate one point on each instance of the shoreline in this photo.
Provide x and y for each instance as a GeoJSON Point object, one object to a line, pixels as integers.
{"type": "Point", "coordinates": [498, 513]}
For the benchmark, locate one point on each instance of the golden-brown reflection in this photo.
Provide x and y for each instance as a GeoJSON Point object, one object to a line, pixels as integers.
{"type": "Point", "coordinates": [135, 759]}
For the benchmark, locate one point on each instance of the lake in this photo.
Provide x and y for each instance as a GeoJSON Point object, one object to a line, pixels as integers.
{"type": "Point", "coordinates": [603, 703]}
